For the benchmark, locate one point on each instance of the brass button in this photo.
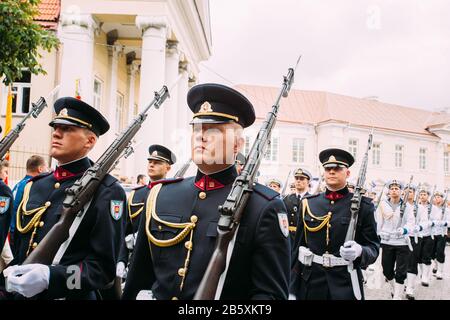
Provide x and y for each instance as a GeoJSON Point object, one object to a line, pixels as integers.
{"type": "Point", "coordinates": [329, 212]}
{"type": "Point", "coordinates": [188, 245]}
{"type": "Point", "coordinates": [41, 224]}
{"type": "Point", "coordinates": [57, 185]}
{"type": "Point", "coordinates": [159, 228]}
{"type": "Point", "coordinates": [292, 222]}
{"type": "Point", "coordinates": [194, 218]}
{"type": "Point", "coordinates": [34, 245]}
{"type": "Point", "coordinates": [332, 202]}
{"type": "Point", "coordinates": [174, 298]}
{"type": "Point", "coordinates": [48, 203]}
{"type": "Point", "coordinates": [292, 214]}
{"type": "Point", "coordinates": [181, 272]}
{"type": "Point", "coordinates": [202, 195]}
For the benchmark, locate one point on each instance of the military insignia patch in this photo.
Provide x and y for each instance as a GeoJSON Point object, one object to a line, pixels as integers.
{"type": "Point", "coordinates": [116, 209]}
{"type": "Point", "coordinates": [284, 224]}
{"type": "Point", "coordinates": [4, 204]}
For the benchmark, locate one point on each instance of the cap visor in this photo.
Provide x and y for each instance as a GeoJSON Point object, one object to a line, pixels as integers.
{"type": "Point", "coordinates": [65, 122]}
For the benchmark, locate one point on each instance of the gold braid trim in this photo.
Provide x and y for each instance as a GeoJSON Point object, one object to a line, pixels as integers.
{"type": "Point", "coordinates": [131, 204]}
{"type": "Point", "coordinates": [22, 211]}
{"type": "Point", "coordinates": [151, 213]}
{"type": "Point", "coordinates": [325, 220]}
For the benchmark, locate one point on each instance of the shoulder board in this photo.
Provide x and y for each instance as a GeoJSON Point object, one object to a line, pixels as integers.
{"type": "Point", "coordinates": [266, 192]}
{"type": "Point", "coordinates": [138, 188]}
{"type": "Point", "coordinates": [109, 180]}
{"type": "Point", "coordinates": [309, 196]}
{"type": "Point", "coordinates": [40, 176]}
{"type": "Point", "coordinates": [165, 181]}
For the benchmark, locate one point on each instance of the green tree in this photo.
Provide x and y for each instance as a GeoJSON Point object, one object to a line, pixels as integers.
{"type": "Point", "coordinates": [21, 38]}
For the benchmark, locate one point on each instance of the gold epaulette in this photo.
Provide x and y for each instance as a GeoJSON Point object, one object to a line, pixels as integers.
{"type": "Point", "coordinates": [325, 220]}
{"type": "Point", "coordinates": [23, 212]}
{"type": "Point", "coordinates": [131, 204]}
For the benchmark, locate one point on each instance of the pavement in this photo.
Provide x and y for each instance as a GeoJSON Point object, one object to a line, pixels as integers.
{"type": "Point", "coordinates": [377, 288]}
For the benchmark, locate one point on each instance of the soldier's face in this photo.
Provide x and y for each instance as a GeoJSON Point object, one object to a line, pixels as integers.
{"type": "Point", "coordinates": [157, 170]}
{"type": "Point", "coordinates": [275, 187]}
{"type": "Point", "coordinates": [423, 196]}
{"type": "Point", "coordinates": [336, 177]}
{"type": "Point", "coordinates": [394, 192]}
{"type": "Point", "coordinates": [411, 195]}
{"type": "Point", "coordinates": [438, 200]}
{"type": "Point", "coordinates": [301, 183]}
{"type": "Point", "coordinates": [4, 173]}
{"type": "Point", "coordinates": [215, 144]}
{"type": "Point", "coordinates": [70, 143]}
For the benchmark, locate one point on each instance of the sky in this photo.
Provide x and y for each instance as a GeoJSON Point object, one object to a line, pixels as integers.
{"type": "Point", "coordinates": [395, 50]}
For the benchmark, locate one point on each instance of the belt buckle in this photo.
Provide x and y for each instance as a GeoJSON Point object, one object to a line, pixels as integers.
{"type": "Point", "coordinates": [327, 260]}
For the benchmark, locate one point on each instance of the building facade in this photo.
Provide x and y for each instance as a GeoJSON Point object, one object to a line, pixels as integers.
{"type": "Point", "coordinates": [406, 141]}
{"type": "Point", "coordinates": [114, 55]}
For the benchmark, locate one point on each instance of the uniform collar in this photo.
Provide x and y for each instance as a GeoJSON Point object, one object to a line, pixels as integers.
{"type": "Point", "coordinates": [72, 169]}
{"type": "Point", "coordinates": [336, 195]}
{"type": "Point", "coordinates": [216, 180]}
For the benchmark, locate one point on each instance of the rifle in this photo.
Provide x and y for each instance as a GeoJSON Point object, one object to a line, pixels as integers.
{"type": "Point", "coordinates": [430, 207]}
{"type": "Point", "coordinates": [444, 206]}
{"type": "Point", "coordinates": [182, 171]}
{"type": "Point", "coordinates": [286, 183]}
{"type": "Point", "coordinates": [8, 140]}
{"type": "Point", "coordinates": [379, 198]}
{"type": "Point", "coordinates": [416, 207]}
{"type": "Point", "coordinates": [402, 211]}
{"type": "Point", "coordinates": [81, 192]}
{"type": "Point", "coordinates": [232, 210]}
{"type": "Point", "coordinates": [354, 210]}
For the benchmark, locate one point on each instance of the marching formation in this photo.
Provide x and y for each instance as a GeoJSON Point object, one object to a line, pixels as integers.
{"type": "Point", "coordinates": [73, 233]}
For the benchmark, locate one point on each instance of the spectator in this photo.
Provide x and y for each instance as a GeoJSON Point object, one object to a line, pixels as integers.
{"type": "Point", "coordinates": [141, 180]}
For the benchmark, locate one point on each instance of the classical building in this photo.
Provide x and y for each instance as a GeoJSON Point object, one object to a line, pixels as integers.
{"type": "Point", "coordinates": [406, 141]}
{"type": "Point", "coordinates": [114, 55]}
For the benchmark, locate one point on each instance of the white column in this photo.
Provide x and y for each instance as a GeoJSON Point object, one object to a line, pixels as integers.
{"type": "Point", "coordinates": [128, 165]}
{"type": "Point", "coordinates": [170, 108]}
{"type": "Point", "coordinates": [183, 118]}
{"type": "Point", "coordinates": [152, 79]}
{"type": "Point", "coordinates": [76, 33]}
{"type": "Point", "coordinates": [113, 52]}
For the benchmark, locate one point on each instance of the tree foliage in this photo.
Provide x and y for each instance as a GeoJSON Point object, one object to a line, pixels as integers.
{"type": "Point", "coordinates": [21, 38]}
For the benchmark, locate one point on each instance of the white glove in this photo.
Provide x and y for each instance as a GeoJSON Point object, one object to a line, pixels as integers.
{"type": "Point", "coordinates": [130, 240]}
{"type": "Point", "coordinates": [417, 228]}
{"type": "Point", "coordinates": [350, 250]}
{"type": "Point", "coordinates": [401, 231]}
{"type": "Point", "coordinates": [120, 270]}
{"type": "Point", "coordinates": [28, 280]}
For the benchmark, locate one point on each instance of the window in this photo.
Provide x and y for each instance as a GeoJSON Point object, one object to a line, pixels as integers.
{"type": "Point", "coordinates": [376, 154]}
{"type": "Point", "coordinates": [247, 146]}
{"type": "Point", "coordinates": [446, 162]}
{"type": "Point", "coordinates": [272, 150]}
{"type": "Point", "coordinates": [398, 156]}
{"type": "Point", "coordinates": [353, 147]}
{"type": "Point", "coordinates": [119, 112]}
{"type": "Point", "coordinates": [298, 150]}
{"type": "Point", "coordinates": [20, 91]}
{"type": "Point", "coordinates": [422, 158]}
{"type": "Point", "coordinates": [98, 88]}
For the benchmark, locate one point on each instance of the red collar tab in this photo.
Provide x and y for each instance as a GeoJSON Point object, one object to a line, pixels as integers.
{"type": "Point", "coordinates": [333, 195]}
{"type": "Point", "coordinates": [62, 174]}
{"type": "Point", "coordinates": [207, 183]}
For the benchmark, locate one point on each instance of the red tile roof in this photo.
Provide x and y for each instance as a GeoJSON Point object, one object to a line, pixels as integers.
{"type": "Point", "coordinates": [49, 13]}
{"type": "Point", "coordinates": [315, 107]}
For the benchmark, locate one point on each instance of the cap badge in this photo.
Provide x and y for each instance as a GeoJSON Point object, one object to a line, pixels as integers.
{"type": "Point", "coordinates": [206, 107]}
{"type": "Point", "coordinates": [155, 153]}
{"type": "Point", "coordinates": [63, 113]}
{"type": "Point", "coordinates": [332, 159]}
